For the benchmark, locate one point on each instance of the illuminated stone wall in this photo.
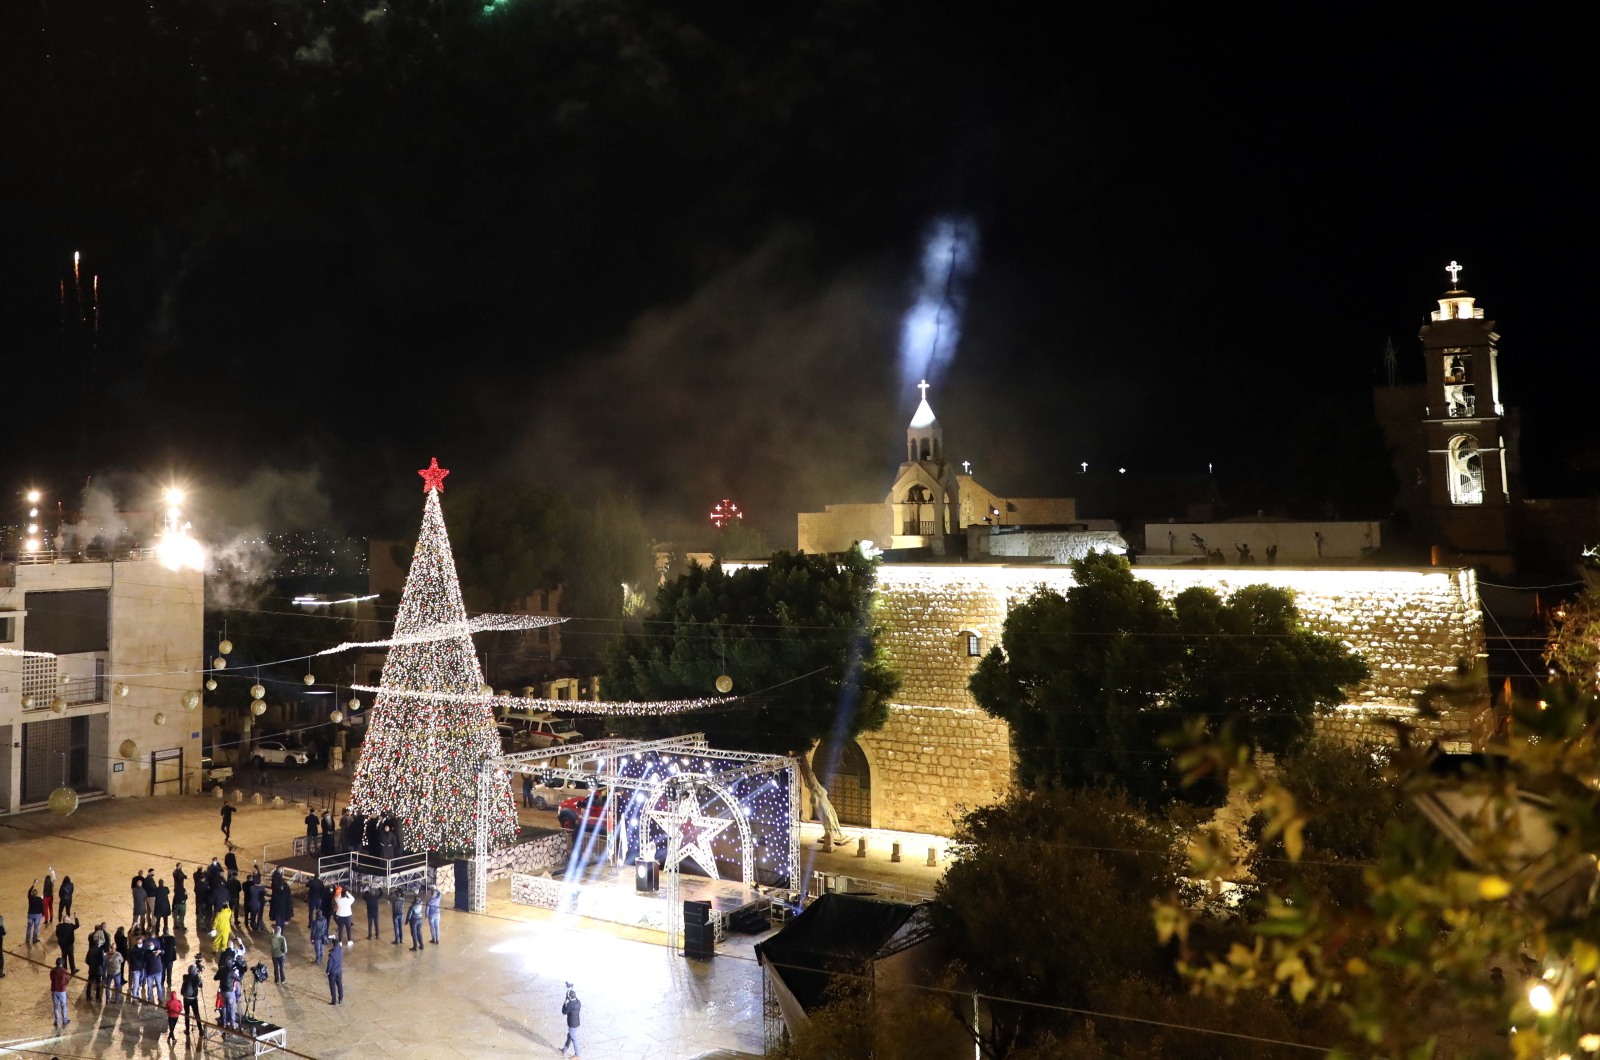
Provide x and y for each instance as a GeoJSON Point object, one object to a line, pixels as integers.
{"type": "Point", "coordinates": [939, 752]}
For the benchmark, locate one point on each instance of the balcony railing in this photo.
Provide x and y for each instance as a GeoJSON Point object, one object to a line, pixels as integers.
{"type": "Point", "coordinates": [84, 555]}
{"type": "Point", "coordinates": [41, 681]}
{"type": "Point", "coordinates": [915, 528]}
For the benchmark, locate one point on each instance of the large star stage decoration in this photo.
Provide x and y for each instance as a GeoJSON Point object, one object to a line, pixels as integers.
{"type": "Point", "coordinates": [433, 477]}
{"type": "Point", "coordinates": [689, 833]}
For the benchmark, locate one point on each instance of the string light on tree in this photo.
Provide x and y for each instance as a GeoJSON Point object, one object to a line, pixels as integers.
{"type": "Point", "coordinates": [430, 723]}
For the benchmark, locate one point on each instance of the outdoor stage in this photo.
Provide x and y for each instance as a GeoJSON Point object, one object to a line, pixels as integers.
{"type": "Point", "coordinates": [611, 895]}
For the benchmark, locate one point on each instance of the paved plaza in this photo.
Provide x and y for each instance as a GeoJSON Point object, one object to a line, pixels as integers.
{"type": "Point", "coordinates": [493, 987]}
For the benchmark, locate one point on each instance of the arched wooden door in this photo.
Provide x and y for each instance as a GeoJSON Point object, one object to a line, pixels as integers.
{"type": "Point", "coordinates": [849, 783]}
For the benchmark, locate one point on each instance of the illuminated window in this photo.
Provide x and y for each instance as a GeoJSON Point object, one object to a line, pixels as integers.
{"type": "Point", "coordinates": [1466, 470]}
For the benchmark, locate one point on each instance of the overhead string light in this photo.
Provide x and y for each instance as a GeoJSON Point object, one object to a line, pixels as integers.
{"type": "Point", "coordinates": [569, 706]}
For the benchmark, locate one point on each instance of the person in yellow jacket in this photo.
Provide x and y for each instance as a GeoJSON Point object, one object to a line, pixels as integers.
{"type": "Point", "coordinates": [222, 928]}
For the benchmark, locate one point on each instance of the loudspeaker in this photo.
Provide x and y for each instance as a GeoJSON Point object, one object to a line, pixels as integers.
{"type": "Point", "coordinates": [699, 936]}
{"type": "Point", "coordinates": [646, 876]}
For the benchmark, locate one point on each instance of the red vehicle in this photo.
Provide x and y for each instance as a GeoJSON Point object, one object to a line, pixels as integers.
{"type": "Point", "coordinates": [571, 810]}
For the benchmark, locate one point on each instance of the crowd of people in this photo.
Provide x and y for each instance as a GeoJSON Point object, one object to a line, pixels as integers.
{"type": "Point", "coordinates": [136, 964]}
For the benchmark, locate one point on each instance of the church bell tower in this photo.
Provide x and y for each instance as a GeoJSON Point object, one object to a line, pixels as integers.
{"type": "Point", "coordinates": [1470, 478]}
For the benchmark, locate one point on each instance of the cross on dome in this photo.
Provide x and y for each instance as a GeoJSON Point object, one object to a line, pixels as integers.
{"type": "Point", "coordinates": [1455, 273]}
{"type": "Point", "coordinates": [924, 415]}
{"type": "Point", "coordinates": [433, 477]}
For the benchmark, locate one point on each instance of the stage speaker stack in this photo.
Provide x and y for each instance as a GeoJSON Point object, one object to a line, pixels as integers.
{"type": "Point", "coordinates": [699, 936]}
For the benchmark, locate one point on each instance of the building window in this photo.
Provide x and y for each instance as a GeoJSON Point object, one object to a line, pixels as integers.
{"type": "Point", "coordinates": [974, 645]}
{"type": "Point", "coordinates": [1466, 470]}
{"type": "Point", "coordinates": [8, 631]}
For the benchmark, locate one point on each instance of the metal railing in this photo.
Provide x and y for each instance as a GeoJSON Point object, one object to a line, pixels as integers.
{"type": "Point", "coordinates": [388, 873]}
{"type": "Point", "coordinates": [80, 555]}
{"type": "Point", "coordinates": [822, 883]}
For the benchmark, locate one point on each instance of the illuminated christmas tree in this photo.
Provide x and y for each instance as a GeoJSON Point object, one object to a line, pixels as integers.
{"type": "Point", "coordinates": [431, 723]}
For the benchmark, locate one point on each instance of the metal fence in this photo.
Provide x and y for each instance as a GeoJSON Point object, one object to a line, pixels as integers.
{"type": "Point", "coordinates": [822, 883]}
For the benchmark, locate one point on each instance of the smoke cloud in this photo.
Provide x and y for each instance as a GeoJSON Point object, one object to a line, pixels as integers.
{"type": "Point", "coordinates": [768, 385]}
{"type": "Point", "coordinates": [931, 328]}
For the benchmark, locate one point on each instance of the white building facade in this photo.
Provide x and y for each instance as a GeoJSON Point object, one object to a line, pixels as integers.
{"type": "Point", "coordinates": [95, 658]}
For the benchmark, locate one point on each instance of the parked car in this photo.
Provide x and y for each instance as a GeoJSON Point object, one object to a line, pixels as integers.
{"type": "Point", "coordinates": [572, 810]}
{"type": "Point", "coordinates": [278, 753]}
{"type": "Point", "coordinates": [534, 729]}
{"type": "Point", "coordinates": [212, 775]}
{"type": "Point", "coordinates": [552, 792]}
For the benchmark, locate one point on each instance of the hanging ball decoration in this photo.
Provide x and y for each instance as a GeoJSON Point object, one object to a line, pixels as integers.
{"type": "Point", "coordinates": [27, 702]}
{"type": "Point", "coordinates": [219, 663]}
{"type": "Point", "coordinates": [64, 678]}
{"type": "Point", "coordinates": [257, 707]}
{"type": "Point", "coordinates": [258, 692]}
{"type": "Point", "coordinates": [336, 717]}
{"type": "Point", "coordinates": [129, 749]}
{"type": "Point", "coordinates": [160, 718]}
{"type": "Point", "coordinates": [58, 705]}
{"type": "Point", "coordinates": [310, 679]}
{"type": "Point", "coordinates": [211, 684]}
{"type": "Point", "coordinates": [122, 691]}
{"type": "Point", "coordinates": [486, 690]}
{"type": "Point", "coordinates": [191, 700]}
{"type": "Point", "coordinates": [354, 704]}
{"type": "Point", "coordinates": [225, 647]}
{"type": "Point", "coordinates": [724, 684]}
{"type": "Point", "coordinates": [63, 801]}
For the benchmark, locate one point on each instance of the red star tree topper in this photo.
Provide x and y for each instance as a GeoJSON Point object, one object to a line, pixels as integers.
{"type": "Point", "coordinates": [433, 477]}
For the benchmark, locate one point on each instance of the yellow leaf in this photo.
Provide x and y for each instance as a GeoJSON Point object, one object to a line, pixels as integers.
{"type": "Point", "coordinates": [1493, 888]}
{"type": "Point", "coordinates": [1586, 956]}
{"type": "Point", "coordinates": [1355, 966]}
{"type": "Point", "coordinates": [1292, 841]}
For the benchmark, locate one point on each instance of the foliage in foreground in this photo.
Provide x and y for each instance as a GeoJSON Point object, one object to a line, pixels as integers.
{"type": "Point", "coordinates": [1045, 908]}
{"type": "Point", "coordinates": [1091, 682]}
{"type": "Point", "coordinates": [1443, 955]}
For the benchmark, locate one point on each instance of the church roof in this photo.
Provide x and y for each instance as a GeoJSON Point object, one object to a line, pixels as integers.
{"type": "Point", "coordinates": [924, 414]}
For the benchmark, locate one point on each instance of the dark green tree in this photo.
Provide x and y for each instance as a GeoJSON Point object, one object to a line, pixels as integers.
{"type": "Point", "coordinates": [508, 540]}
{"type": "Point", "coordinates": [1091, 682]}
{"type": "Point", "coordinates": [795, 635]}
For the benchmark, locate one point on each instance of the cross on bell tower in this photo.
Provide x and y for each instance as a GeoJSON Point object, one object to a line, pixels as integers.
{"type": "Point", "coordinates": [1455, 274]}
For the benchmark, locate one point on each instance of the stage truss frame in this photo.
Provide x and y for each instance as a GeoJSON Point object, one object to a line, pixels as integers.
{"type": "Point", "coordinates": [597, 762]}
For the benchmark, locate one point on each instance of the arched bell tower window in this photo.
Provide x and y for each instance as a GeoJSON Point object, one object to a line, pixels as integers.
{"type": "Point", "coordinates": [1466, 470]}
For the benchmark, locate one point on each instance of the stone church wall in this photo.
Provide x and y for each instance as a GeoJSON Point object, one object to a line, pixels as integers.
{"type": "Point", "coordinates": [939, 753]}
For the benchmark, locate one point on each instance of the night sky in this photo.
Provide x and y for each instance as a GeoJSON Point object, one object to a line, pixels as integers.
{"type": "Point", "coordinates": [664, 248]}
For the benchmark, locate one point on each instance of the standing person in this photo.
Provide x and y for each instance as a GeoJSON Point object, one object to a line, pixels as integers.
{"type": "Point", "coordinates": [226, 974]}
{"type": "Point", "coordinates": [527, 790]}
{"type": "Point", "coordinates": [138, 902]}
{"type": "Point", "coordinates": [397, 908]}
{"type": "Point", "coordinates": [335, 972]}
{"type": "Point", "coordinates": [234, 888]}
{"type": "Point", "coordinates": [191, 986]}
{"type": "Point", "coordinates": [344, 904]}
{"type": "Point", "coordinates": [162, 913]}
{"type": "Point", "coordinates": [174, 1010]}
{"type": "Point", "coordinates": [282, 900]}
{"type": "Point", "coordinates": [319, 933]}
{"type": "Point", "coordinates": [180, 879]}
{"type": "Point", "coordinates": [227, 822]}
{"type": "Point", "coordinates": [154, 970]}
{"type": "Point", "coordinates": [2, 947]}
{"type": "Point", "coordinates": [434, 901]}
{"type": "Point", "coordinates": [121, 942]}
{"type": "Point", "coordinates": [314, 891]}
{"type": "Point", "coordinates": [372, 898]}
{"type": "Point", "coordinates": [222, 928]}
{"type": "Point", "coordinates": [135, 966]}
{"type": "Point", "coordinates": [311, 831]}
{"type": "Point", "coordinates": [94, 962]}
{"type": "Point", "coordinates": [36, 912]}
{"type": "Point", "coordinates": [113, 972]}
{"type": "Point", "coordinates": [49, 893]}
{"type": "Point", "coordinates": [414, 918]}
{"type": "Point", "coordinates": [169, 959]}
{"type": "Point", "coordinates": [571, 1008]}
{"type": "Point", "coordinates": [221, 898]}
{"type": "Point", "coordinates": [59, 978]}
{"type": "Point", "coordinates": [64, 898]}
{"type": "Point", "coordinates": [327, 832]}
{"type": "Point", "coordinates": [67, 938]}
{"type": "Point", "coordinates": [255, 901]}
{"type": "Point", "coordinates": [230, 861]}
{"type": "Point", "coordinates": [180, 900]}
{"type": "Point", "coordinates": [280, 955]}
